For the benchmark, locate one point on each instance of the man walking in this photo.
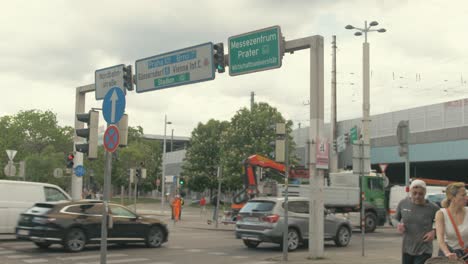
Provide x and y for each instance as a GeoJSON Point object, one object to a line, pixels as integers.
{"type": "Point", "coordinates": [416, 217]}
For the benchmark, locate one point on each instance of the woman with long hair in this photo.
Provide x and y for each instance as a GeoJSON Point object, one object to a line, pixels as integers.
{"type": "Point", "coordinates": [452, 222]}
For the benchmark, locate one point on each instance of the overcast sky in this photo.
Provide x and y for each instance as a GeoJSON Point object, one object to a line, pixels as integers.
{"type": "Point", "coordinates": [48, 48]}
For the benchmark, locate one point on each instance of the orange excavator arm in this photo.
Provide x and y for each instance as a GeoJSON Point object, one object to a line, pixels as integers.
{"type": "Point", "coordinates": [250, 179]}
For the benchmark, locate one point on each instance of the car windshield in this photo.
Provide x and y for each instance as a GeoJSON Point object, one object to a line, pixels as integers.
{"type": "Point", "coordinates": [436, 198]}
{"type": "Point", "coordinates": [258, 206]}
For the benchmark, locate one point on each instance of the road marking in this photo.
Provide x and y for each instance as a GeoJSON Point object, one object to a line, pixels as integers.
{"type": "Point", "coordinates": [22, 246]}
{"type": "Point", "coordinates": [175, 247]}
{"type": "Point", "coordinates": [119, 261]}
{"type": "Point", "coordinates": [7, 252]}
{"type": "Point", "coordinates": [194, 250]}
{"type": "Point", "coordinates": [92, 257]}
{"type": "Point", "coordinates": [240, 257]}
{"type": "Point", "coordinates": [217, 253]}
{"type": "Point", "coordinates": [19, 256]}
{"type": "Point", "coordinates": [35, 260]}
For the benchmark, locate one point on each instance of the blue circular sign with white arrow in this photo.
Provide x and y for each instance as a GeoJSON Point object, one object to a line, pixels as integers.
{"type": "Point", "coordinates": [80, 171]}
{"type": "Point", "coordinates": [113, 106]}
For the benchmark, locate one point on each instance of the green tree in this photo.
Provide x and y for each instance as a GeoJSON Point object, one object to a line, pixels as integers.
{"type": "Point", "coordinates": [250, 132]}
{"type": "Point", "coordinates": [39, 140]}
{"type": "Point", "coordinates": [203, 156]}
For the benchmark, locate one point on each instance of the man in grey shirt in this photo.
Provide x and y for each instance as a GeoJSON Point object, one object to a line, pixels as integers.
{"type": "Point", "coordinates": [416, 216]}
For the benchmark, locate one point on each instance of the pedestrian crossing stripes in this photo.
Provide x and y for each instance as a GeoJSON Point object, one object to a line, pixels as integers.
{"type": "Point", "coordinates": [97, 256]}
{"type": "Point", "coordinates": [33, 261]}
{"type": "Point", "coordinates": [116, 261]}
{"type": "Point", "coordinates": [18, 256]}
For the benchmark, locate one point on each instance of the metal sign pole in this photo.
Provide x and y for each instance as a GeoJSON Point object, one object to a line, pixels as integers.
{"type": "Point", "coordinates": [286, 225]}
{"type": "Point", "coordinates": [105, 213]}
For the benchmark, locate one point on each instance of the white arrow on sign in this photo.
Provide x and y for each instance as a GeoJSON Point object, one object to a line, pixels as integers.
{"type": "Point", "coordinates": [114, 99]}
{"type": "Point", "coordinates": [11, 154]}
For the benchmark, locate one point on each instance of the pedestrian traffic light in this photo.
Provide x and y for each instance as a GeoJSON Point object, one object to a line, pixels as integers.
{"type": "Point", "coordinates": [70, 158]}
{"type": "Point", "coordinates": [335, 147]}
{"type": "Point", "coordinates": [219, 57]}
{"type": "Point", "coordinates": [128, 78]}
{"type": "Point", "coordinates": [90, 134]}
{"type": "Point", "coordinates": [181, 181]}
{"type": "Point", "coordinates": [138, 173]}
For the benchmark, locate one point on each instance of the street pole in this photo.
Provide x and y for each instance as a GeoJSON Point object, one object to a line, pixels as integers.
{"type": "Point", "coordinates": [163, 178]}
{"type": "Point", "coordinates": [219, 193]}
{"type": "Point", "coordinates": [334, 152]}
{"type": "Point", "coordinates": [286, 181]}
{"type": "Point", "coordinates": [366, 104]}
{"type": "Point", "coordinates": [105, 213]}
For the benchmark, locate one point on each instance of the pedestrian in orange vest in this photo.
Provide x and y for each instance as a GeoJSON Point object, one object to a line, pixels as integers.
{"type": "Point", "coordinates": [176, 207]}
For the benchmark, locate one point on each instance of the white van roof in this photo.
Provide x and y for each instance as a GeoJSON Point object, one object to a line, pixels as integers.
{"type": "Point", "coordinates": [29, 183]}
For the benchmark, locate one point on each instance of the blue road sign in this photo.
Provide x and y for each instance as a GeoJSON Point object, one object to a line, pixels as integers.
{"type": "Point", "coordinates": [80, 171]}
{"type": "Point", "coordinates": [111, 138]}
{"type": "Point", "coordinates": [113, 106]}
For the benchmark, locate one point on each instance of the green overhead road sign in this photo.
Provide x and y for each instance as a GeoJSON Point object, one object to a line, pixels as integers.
{"type": "Point", "coordinates": [255, 51]}
{"type": "Point", "coordinates": [353, 134]}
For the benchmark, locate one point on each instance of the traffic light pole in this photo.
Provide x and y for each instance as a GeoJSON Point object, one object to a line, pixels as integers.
{"type": "Point", "coordinates": [80, 99]}
{"type": "Point", "coordinates": [105, 215]}
{"type": "Point", "coordinates": [316, 204]}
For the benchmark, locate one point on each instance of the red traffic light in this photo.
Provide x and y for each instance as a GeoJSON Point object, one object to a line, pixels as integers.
{"type": "Point", "coordinates": [71, 157]}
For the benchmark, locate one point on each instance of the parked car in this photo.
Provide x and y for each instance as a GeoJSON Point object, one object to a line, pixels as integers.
{"type": "Point", "coordinates": [75, 224]}
{"type": "Point", "coordinates": [262, 220]}
{"type": "Point", "coordinates": [17, 196]}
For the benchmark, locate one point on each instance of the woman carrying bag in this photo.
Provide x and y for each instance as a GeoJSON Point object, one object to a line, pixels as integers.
{"type": "Point", "coordinates": [452, 223]}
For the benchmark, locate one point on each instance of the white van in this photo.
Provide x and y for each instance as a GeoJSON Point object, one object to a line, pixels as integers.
{"type": "Point", "coordinates": [398, 193]}
{"type": "Point", "coordinates": [18, 196]}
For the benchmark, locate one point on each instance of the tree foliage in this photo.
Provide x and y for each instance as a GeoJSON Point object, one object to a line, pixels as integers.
{"type": "Point", "coordinates": [248, 132]}
{"type": "Point", "coordinates": [203, 156]}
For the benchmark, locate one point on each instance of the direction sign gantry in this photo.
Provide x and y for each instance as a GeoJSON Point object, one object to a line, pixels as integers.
{"type": "Point", "coordinates": [189, 65]}
{"type": "Point", "coordinates": [255, 51]}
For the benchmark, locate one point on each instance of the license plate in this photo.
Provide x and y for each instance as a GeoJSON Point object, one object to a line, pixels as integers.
{"type": "Point", "coordinates": [23, 232]}
{"type": "Point", "coordinates": [251, 219]}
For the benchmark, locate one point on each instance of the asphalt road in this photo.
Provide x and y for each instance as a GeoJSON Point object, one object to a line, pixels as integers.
{"type": "Point", "coordinates": [193, 241]}
{"type": "Point", "coordinates": [189, 245]}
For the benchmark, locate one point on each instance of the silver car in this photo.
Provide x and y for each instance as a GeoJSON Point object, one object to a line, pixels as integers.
{"type": "Point", "coordinates": [262, 220]}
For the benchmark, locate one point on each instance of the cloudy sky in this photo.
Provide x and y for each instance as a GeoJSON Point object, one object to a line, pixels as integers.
{"type": "Point", "coordinates": [48, 48]}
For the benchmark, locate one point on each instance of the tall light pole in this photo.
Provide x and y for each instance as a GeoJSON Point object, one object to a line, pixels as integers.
{"type": "Point", "coordinates": [163, 176]}
{"type": "Point", "coordinates": [366, 89]}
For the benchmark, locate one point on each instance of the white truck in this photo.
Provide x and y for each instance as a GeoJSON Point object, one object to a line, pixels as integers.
{"type": "Point", "coordinates": [343, 195]}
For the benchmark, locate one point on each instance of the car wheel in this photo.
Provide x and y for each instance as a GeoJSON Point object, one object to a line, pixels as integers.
{"type": "Point", "coordinates": [343, 236]}
{"type": "Point", "coordinates": [155, 237]}
{"type": "Point", "coordinates": [371, 222]}
{"type": "Point", "coordinates": [250, 243]}
{"type": "Point", "coordinates": [75, 240]}
{"type": "Point", "coordinates": [293, 239]}
{"type": "Point", "coordinates": [42, 245]}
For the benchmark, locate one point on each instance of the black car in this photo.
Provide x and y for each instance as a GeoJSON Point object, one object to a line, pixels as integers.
{"type": "Point", "coordinates": [75, 224]}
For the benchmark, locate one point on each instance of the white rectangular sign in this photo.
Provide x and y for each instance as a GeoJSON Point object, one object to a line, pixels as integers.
{"type": "Point", "coordinates": [107, 78]}
{"type": "Point", "coordinates": [189, 65]}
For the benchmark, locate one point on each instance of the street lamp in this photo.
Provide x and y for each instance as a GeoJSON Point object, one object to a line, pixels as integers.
{"type": "Point", "coordinates": [163, 176]}
{"type": "Point", "coordinates": [366, 83]}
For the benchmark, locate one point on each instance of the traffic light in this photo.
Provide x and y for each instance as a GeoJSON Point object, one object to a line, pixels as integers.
{"type": "Point", "coordinates": [70, 158]}
{"type": "Point", "coordinates": [346, 138]}
{"type": "Point", "coordinates": [90, 134]}
{"type": "Point", "coordinates": [335, 147]}
{"type": "Point", "coordinates": [219, 63]}
{"type": "Point", "coordinates": [181, 181]}
{"type": "Point", "coordinates": [128, 78]}
{"type": "Point", "coordinates": [138, 173]}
